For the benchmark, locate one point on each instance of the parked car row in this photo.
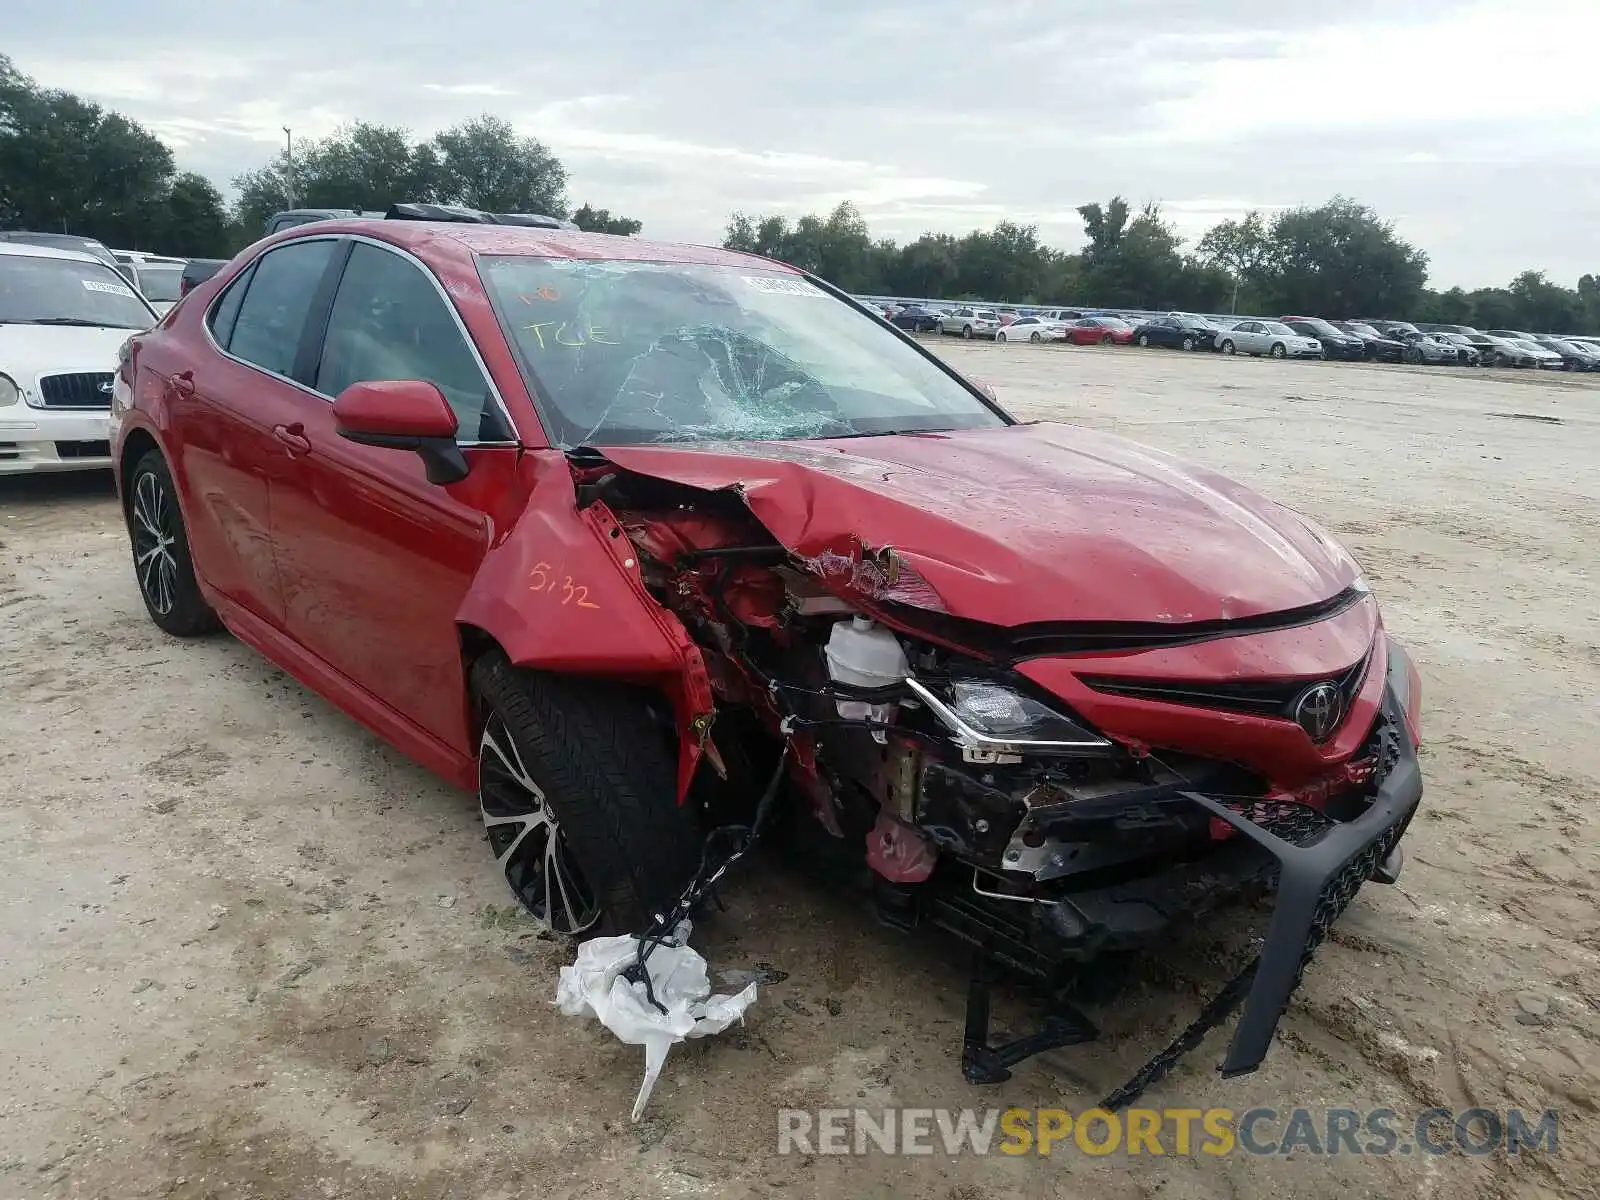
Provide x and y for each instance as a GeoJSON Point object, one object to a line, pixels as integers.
{"type": "Point", "coordinates": [1291, 336]}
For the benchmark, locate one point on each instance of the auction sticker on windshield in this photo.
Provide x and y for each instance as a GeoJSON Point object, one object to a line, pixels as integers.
{"type": "Point", "coordinates": [777, 285]}
{"type": "Point", "coordinates": [110, 289]}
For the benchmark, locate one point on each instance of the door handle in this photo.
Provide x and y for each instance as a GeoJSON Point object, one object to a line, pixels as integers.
{"type": "Point", "coordinates": [294, 437]}
{"type": "Point", "coordinates": [182, 383]}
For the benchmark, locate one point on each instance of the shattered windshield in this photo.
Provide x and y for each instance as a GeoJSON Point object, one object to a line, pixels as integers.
{"type": "Point", "coordinates": [627, 352]}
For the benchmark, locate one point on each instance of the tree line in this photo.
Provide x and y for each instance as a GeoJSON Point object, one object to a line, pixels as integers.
{"type": "Point", "coordinates": [71, 165]}
{"type": "Point", "coordinates": [1338, 259]}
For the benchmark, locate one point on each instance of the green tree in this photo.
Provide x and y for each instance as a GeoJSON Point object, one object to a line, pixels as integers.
{"type": "Point", "coordinates": [1341, 260]}
{"type": "Point", "coordinates": [600, 220]}
{"type": "Point", "coordinates": [67, 164]}
{"type": "Point", "coordinates": [196, 221]}
{"type": "Point", "coordinates": [1243, 251]}
{"type": "Point", "coordinates": [484, 164]}
{"type": "Point", "coordinates": [1544, 306]}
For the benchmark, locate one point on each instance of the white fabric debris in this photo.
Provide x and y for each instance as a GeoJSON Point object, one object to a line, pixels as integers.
{"type": "Point", "coordinates": [594, 984]}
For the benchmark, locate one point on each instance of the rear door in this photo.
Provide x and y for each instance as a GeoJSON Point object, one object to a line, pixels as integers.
{"type": "Point", "coordinates": [228, 409]}
{"type": "Point", "coordinates": [375, 560]}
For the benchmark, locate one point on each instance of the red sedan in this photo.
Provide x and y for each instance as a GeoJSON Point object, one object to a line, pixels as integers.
{"type": "Point", "coordinates": [659, 548]}
{"type": "Point", "coordinates": [1100, 331]}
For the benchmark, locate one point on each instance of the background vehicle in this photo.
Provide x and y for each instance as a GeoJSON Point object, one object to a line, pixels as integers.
{"type": "Point", "coordinates": [1512, 334]}
{"type": "Point", "coordinates": [970, 322]}
{"type": "Point", "coordinates": [196, 271]}
{"type": "Point", "coordinates": [1336, 343]}
{"type": "Point", "coordinates": [1468, 353]}
{"type": "Point", "coordinates": [1380, 348]}
{"type": "Point", "coordinates": [1267, 337]}
{"type": "Point", "coordinates": [593, 611]}
{"type": "Point", "coordinates": [1179, 330]}
{"type": "Point", "coordinates": [1542, 356]}
{"type": "Point", "coordinates": [63, 241]}
{"type": "Point", "coordinates": [916, 319]}
{"type": "Point", "coordinates": [1574, 355]}
{"type": "Point", "coordinates": [63, 315]}
{"type": "Point", "coordinates": [1509, 352]}
{"type": "Point", "coordinates": [1461, 335]}
{"type": "Point", "coordinates": [1100, 330]}
{"type": "Point", "coordinates": [1032, 329]}
{"type": "Point", "coordinates": [1427, 349]}
{"type": "Point", "coordinates": [1393, 329]}
{"type": "Point", "coordinates": [161, 283]}
{"type": "Point", "coordinates": [290, 217]}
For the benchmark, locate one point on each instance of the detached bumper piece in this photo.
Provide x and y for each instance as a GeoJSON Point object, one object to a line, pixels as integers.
{"type": "Point", "coordinates": [1321, 865]}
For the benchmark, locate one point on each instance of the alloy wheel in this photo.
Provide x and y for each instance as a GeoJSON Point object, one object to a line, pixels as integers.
{"type": "Point", "coordinates": [526, 838]}
{"type": "Point", "coordinates": [1034, 337]}
{"type": "Point", "coordinates": [155, 534]}
{"type": "Point", "coordinates": [1144, 340]}
{"type": "Point", "coordinates": [1227, 347]}
{"type": "Point", "coordinates": [1188, 342]}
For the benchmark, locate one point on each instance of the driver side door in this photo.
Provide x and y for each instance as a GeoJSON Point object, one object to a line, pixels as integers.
{"type": "Point", "coordinates": [375, 560]}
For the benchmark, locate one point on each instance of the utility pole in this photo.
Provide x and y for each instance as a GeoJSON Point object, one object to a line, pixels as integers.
{"type": "Point", "coordinates": [288, 165]}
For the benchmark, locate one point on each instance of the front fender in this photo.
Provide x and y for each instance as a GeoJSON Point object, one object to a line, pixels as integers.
{"type": "Point", "coordinates": [561, 591]}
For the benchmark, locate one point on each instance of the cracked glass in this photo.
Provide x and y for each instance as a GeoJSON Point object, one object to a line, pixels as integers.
{"type": "Point", "coordinates": [622, 353]}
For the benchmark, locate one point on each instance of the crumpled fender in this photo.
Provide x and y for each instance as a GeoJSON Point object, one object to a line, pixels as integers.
{"type": "Point", "coordinates": [560, 591]}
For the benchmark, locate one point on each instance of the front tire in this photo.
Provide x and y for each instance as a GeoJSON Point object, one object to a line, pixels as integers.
{"type": "Point", "coordinates": [1106, 340]}
{"type": "Point", "coordinates": [1227, 346]}
{"type": "Point", "coordinates": [1144, 340]}
{"type": "Point", "coordinates": [162, 564]}
{"type": "Point", "coordinates": [1000, 337]}
{"type": "Point", "coordinates": [1279, 350]}
{"type": "Point", "coordinates": [1035, 338]}
{"type": "Point", "coordinates": [579, 798]}
{"type": "Point", "coordinates": [1188, 343]}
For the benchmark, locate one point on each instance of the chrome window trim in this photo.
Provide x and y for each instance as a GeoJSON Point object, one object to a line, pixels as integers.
{"type": "Point", "coordinates": [466, 336]}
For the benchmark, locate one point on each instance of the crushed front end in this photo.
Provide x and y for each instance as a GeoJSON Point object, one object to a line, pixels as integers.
{"type": "Point", "coordinates": [1047, 792]}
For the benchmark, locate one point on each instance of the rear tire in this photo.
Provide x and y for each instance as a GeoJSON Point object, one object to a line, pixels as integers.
{"type": "Point", "coordinates": [599, 784]}
{"type": "Point", "coordinates": [162, 564]}
{"type": "Point", "coordinates": [966, 332]}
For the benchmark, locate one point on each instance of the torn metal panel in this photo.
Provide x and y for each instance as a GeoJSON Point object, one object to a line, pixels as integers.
{"type": "Point", "coordinates": [1027, 524]}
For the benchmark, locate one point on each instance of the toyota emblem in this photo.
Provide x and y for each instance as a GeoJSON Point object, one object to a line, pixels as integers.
{"type": "Point", "coordinates": [1318, 710]}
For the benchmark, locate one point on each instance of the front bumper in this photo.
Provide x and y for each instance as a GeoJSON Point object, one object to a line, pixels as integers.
{"type": "Point", "coordinates": [33, 441]}
{"type": "Point", "coordinates": [1317, 863]}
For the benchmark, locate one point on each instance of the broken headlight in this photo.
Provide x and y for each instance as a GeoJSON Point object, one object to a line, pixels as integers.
{"type": "Point", "coordinates": [995, 723]}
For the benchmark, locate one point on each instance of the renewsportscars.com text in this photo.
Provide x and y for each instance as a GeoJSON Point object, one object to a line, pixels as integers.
{"type": "Point", "coordinates": [1175, 1131]}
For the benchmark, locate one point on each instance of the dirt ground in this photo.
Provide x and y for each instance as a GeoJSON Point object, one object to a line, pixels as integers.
{"type": "Point", "coordinates": [251, 952]}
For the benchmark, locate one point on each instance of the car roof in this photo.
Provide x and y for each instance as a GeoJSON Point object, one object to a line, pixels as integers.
{"type": "Point", "coordinates": [31, 250]}
{"type": "Point", "coordinates": [443, 240]}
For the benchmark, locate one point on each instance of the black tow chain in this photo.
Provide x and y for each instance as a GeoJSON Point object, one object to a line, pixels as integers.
{"type": "Point", "coordinates": [711, 869]}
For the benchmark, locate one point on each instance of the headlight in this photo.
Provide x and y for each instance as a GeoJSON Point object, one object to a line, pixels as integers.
{"type": "Point", "coordinates": [10, 393]}
{"type": "Point", "coordinates": [992, 722]}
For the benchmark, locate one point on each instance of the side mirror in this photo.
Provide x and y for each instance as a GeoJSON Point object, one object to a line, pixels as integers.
{"type": "Point", "coordinates": [403, 414]}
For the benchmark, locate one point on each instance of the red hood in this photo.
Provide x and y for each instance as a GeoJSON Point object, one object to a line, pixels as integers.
{"type": "Point", "coordinates": [1028, 523]}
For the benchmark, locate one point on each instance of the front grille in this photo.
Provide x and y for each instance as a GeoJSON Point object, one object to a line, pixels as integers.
{"type": "Point", "coordinates": [80, 389]}
{"type": "Point", "coordinates": [83, 449]}
{"type": "Point", "coordinates": [1270, 698]}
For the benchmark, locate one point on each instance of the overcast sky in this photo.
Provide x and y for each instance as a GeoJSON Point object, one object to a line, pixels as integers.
{"type": "Point", "coordinates": [1474, 126]}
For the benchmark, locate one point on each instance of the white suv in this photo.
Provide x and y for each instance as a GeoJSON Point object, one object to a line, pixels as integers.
{"type": "Point", "coordinates": [63, 317]}
{"type": "Point", "coordinates": [970, 322]}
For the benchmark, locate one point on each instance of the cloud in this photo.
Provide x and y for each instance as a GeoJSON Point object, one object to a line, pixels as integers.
{"type": "Point", "coordinates": [1474, 125]}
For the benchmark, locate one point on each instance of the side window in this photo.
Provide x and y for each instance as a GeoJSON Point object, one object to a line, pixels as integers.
{"type": "Point", "coordinates": [390, 322]}
{"type": "Point", "coordinates": [226, 310]}
{"type": "Point", "coordinates": [272, 316]}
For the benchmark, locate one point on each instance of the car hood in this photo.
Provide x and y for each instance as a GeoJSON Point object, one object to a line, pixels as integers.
{"type": "Point", "coordinates": [27, 351]}
{"type": "Point", "coordinates": [1027, 523]}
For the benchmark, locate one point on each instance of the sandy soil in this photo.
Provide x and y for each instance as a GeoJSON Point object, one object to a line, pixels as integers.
{"type": "Point", "coordinates": [251, 952]}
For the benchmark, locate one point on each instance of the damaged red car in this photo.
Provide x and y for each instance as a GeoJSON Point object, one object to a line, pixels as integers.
{"type": "Point", "coordinates": [644, 543]}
